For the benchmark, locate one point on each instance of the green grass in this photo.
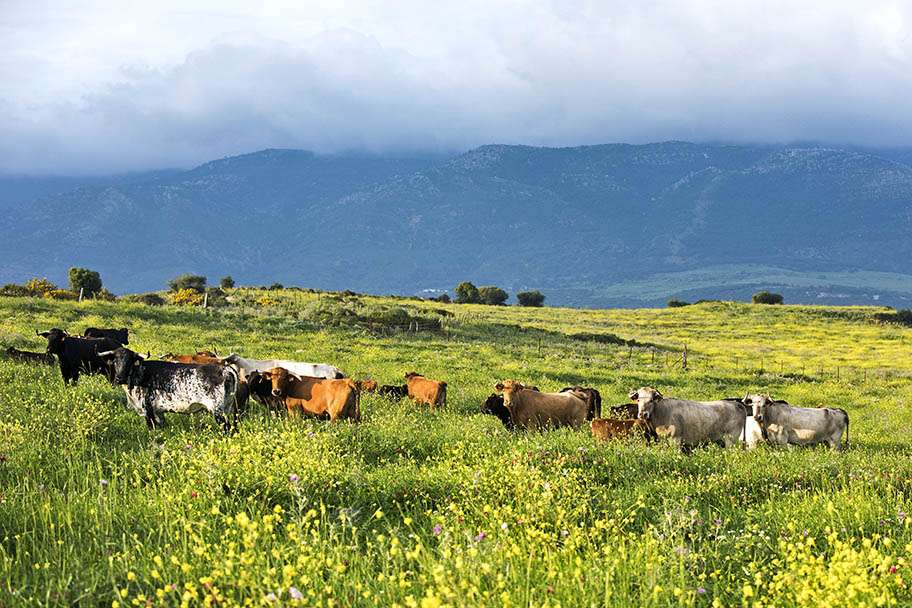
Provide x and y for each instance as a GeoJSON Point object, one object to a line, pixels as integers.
{"type": "Point", "coordinates": [95, 509]}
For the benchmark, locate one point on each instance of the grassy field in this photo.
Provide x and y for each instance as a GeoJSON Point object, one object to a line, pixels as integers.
{"type": "Point", "coordinates": [414, 508]}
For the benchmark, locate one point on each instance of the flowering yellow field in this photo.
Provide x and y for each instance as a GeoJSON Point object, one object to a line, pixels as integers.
{"type": "Point", "coordinates": [414, 508]}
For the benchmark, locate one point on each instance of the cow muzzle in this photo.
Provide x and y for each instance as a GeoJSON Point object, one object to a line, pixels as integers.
{"type": "Point", "coordinates": [758, 417]}
{"type": "Point", "coordinates": [276, 392]}
{"type": "Point", "coordinates": [644, 416]}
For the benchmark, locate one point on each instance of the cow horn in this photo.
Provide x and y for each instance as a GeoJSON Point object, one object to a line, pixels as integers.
{"type": "Point", "coordinates": [106, 353]}
{"type": "Point", "coordinates": [148, 354]}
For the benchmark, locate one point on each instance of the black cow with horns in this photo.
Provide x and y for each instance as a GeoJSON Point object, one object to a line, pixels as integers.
{"type": "Point", "coordinates": [77, 354]}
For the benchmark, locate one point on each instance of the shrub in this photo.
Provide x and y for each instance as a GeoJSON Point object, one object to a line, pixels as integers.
{"type": "Point", "coordinates": [276, 286]}
{"type": "Point", "coordinates": [673, 303]}
{"type": "Point", "coordinates": [89, 281]}
{"type": "Point", "coordinates": [443, 298]}
{"type": "Point", "coordinates": [150, 299]}
{"type": "Point", "coordinates": [900, 317]}
{"type": "Point", "coordinates": [226, 282]}
{"type": "Point", "coordinates": [187, 297]}
{"type": "Point", "coordinates": [395, 316]}
{"type": "Point", "coordinates": [14, 290]}
{"type": "Point", "coordinates": [61, 294]}
{"type": "Point", "coordinates": [39, 287]}
{"type": "Point", "coordinates": [530, 298]}
{"type": "Point", "coordinates": [104, 294]}
{"type": "Point", "coordinates": [766, 297]}
{"type": "Point", "coordinates": [216, 297]}
{"type": "Point", "coordinates": [467, 293]}
{"type": "Point", "coordinates": [192, 282]}
{"type": "Point", "coordinates": [495, 296]}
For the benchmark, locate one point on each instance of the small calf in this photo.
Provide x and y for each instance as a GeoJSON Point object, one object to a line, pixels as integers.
{"type": "Point", "coordinates": [424, 390]}
{"type": "Point", "coordinates": [393, 391]}
{"type": "Point", "coordinates": [604, 429]}
{"type": "Point", "coordinates": [366, 386]}
{"type": "Point", "coordinates": [494, 406]}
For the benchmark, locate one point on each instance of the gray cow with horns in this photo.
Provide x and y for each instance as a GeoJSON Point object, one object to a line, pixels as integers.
{"type": "Point", "coordinates": [784, 424]}
{"type": "Point", "coordinates": [691, 423]}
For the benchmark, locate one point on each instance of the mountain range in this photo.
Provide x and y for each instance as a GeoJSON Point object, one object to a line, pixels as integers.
{"type": "Point", "coordinates": [606, 225]}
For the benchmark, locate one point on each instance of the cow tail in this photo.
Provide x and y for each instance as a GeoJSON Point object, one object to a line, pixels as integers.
{"type": "Point", "coordinates": [441, 398]}
{"type": "Point", "coordinates": [232, 385]}
{"type": "Point", "coordinates": [846, 414]}
{"type": "Point", "coordinates": [744, 428]}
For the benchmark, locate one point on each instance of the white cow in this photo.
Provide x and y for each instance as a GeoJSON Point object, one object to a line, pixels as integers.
{"type": "Point", "coordinates": [313, 370]}
{"type": "Point", "coordinates": [788, 425]}
{"type": "Point", "coordinates": [753, 433]}
{"type": "Point", "coordinates": [691, 423]}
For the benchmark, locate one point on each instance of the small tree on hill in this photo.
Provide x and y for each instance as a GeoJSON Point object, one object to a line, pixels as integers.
{"type": "Point", "coordinates": [194, 282]}
{"type": "Point", "coordinates": [467, 293]}
{"type": "Point", "coordinates": [766, 297]}
{"type": "Point", "coordinates": [443, 298]}
{"type": "Point", "coordinates": [226, 282]}
{"type": "Point", "coordinates": [495, 296]}
{"type": "Point", "coordinates": [673, 303]}
{"type": "Point", "coordinates": [530, 298]}
{"type": "Point", "coordinates": [89, 281]}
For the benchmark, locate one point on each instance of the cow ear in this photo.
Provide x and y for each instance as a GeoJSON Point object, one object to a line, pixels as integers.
{"type": "Point", "coordinates": [657, 395]}
{"type": "Point", "coordinates": [43, 334]}
{"type": "Point", "coordinates": [499, 386]}
{"type": "Point", "coordinates": [634, 395]}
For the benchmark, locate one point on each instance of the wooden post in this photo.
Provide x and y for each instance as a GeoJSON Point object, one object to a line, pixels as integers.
{"type": "Point", "coordinates": [653, 356]}
{"type": "Point", "coordinates": [539, 347]}
{"type": "Point", "coordinates": [206, 300]}
{"type": "Point", "coordinates": [837, 373]}
{"type": "Point", "coordinates": [80, 293]}
{"type": "Point", "coordinates": [629, 355]}
{"type": "Point", "coordinates": [684, 358]}
{"type": "Point", "coordinates": [865, 375]}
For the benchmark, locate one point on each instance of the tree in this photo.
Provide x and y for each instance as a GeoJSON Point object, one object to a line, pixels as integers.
{"type": "Point", "coordinates": [39, 286]}
{"type": "Point", "coordinates": [276, 286]}
{"type": "Point", "coordinates": [466, 293]}
{"type": "Point", "coordinates": [765, 297]}
{"type": "Point", "coordinates": [188, 281]}
{"type": "Point", "coordinates": [443, 298]}
{"type": "Point", "coordinates": [530, 298]}
{"type": "Point", "coordinates": [89, 281]}
{"type": "Point", "coordinates": [673, 303]}
{"type": "Point", "coordinates": [226, 282]}
{"type": "Point", "coordinates": [490, 294]}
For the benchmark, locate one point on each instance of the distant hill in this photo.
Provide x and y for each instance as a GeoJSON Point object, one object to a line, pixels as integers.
{"type": "Point", "coordinates": [597, 225]}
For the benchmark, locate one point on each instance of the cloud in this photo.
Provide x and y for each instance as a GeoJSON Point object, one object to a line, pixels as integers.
{"type": "Point", "coordinates": [169, 87]}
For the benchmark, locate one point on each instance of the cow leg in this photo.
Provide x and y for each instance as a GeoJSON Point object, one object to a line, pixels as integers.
{"type": "Point", "coordinates": [226, 423]}
{"type": "Point", "coordinates": [152, 420]}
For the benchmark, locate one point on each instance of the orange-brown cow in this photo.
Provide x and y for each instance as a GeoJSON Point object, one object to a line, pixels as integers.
{"type": "Point", "coordinates": [319, 397]}
{"type": "Point", "coordinates": [606, 429]}
{"type": "Point", "coordinates": [366, 386]}
{"type": "Point", "coordinates": [422, 390]}
{"type": "Point", "coordinates": [203, 357]}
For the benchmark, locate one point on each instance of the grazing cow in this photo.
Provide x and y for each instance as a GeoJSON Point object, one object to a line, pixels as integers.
{"type": "Point", "coordinates": [29, 357]}
{"type": "Point", "coordinates": [784, 424]}
{"type": "Point", "coordinates": [605, 429]}
{"type": "Point", "coordinates": [593, 400]}
{"type": "Point", "coordinates": [690, 423]}
{"type": "Point", "coordinates": [319, 397]}
{"type": "Point", "coordinates": [624, 411]}
{"type": "Point", "coordinates": [200, 358]}
{"type": "Point", "coordinates": [76, 354]}
{"type": "Point", "coordinates": [422, 390]}
{"type": "Point", "coordinates": [366, 386]}
{"type": "Point", "coordinates": [121, 336]}
{"type": "Point", "coordinates": [494, 406]}
{"type": "Point", "coordinates": [260, 389]}
{"type": "Point", "coordinates": [156, 387]}
{"type": "Point", "coordinates": [534, 410]}
{"type": "Point", "coordinates": [393, 391]}
{"type": "Point", "coordinates": [311, 370]}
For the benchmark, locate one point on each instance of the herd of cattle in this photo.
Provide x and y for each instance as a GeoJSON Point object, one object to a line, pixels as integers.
{"type": "Point", "coordinates": [223, 385]}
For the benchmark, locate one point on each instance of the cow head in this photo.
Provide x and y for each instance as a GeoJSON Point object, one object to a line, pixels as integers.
{"type": "Point", "coordinates": [279, 378]}
{"type": "Point", "coordinates": [55, 338]}
{"type": "Point", "coordinates": [126, 366]}
{"type": "Point", "coordinates": [758, 405]}
{"type": "Point", "coordinates": [411, 375]}
{"type": "Point", "coordinates": [646, 399]}
{"type": "Point", "coordinates": [366, 386]}
{"type": "Point", "coordinates": [508, 388]}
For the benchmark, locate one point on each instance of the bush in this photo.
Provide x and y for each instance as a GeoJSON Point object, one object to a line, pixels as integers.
{"type": "Point", "coordinates": [14, 290]}
{"type": "Point", "coordinates": [87, 280]}
{"type": "Point", "coordinates": [276, 286]}
{"type": "Point", "coordinates": [530, 298]}
{"type": "Point", "coordinates": [39, 287]}
{"type": "Point", "coordinates": [395, 316]}
{"type": "Point", "coordinates": [766, 297]}
{"type": "Point", "coordinates": [61, 294]}
{"type": "Point", "coordinates": [900, 317]}
{"type": "Point", "coordinates": [443, 298]}
{"type": "Point", "coordinates": [193, 282]}
{"type": "Point", "coordinates": [187, 297]}
{"type": "Point", "coordinates": [104, 294]}
{"type": "Point", "coordinates": [149, 299]}
{"type": "Point", "coordinates": [495, 296]}
{"type": "Point", "coordinates": [467, 293]}
{"type": "Point", "coordinates": [216, 297]}
{"type": "Point", "coordinates": [226, 282]}
{"type": "Point", "coordinates": [677, 303]}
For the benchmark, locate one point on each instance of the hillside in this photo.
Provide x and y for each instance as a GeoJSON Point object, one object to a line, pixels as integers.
{"type": "Point", "coordinates": [419, 508]}
{"type": "Point", "coordinates": [585, 225]}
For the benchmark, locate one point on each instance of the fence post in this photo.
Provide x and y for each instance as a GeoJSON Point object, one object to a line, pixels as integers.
{"type": "Point", "coordinates": [539, 347]}
{"type": "Point", "coordinates": [80, 293]}
{"type": "Point", "coordinates": [684, 358]}
{"type": "Point", "coordinates": [206, 300]}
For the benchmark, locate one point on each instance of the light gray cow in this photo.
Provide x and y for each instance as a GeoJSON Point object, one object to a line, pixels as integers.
{"type": "Point", "coordinates": [691, 423]}
{"type": "Point", "coordinates": [298, 368]}
{"type": "Point", "coordinates": [788, 425]}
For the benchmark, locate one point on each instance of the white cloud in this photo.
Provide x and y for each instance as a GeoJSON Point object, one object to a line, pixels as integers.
{"type": "Point", "coordinates": [90, 88]}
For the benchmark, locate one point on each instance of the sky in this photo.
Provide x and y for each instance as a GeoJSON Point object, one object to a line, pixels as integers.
{"type": "Point", "coordinates": [105, 87]}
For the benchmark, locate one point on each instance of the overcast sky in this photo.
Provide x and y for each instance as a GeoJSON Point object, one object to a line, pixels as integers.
{"type": "Point", "coordinates": [92, 86]}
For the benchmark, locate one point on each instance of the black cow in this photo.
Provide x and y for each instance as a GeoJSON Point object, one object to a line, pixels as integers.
{"type": "Point", "coordinates": [593, 400]}
{"type": "Point", "coordinates": [494, 405]}
{"type": "Point", "coordinates": [76, 354]}
{"type": "Point", "coordinates": [156, 387]}
{"type": "Point", "coordinates": [29, 357]}
{"type": "Point", "coordinates": [260, 389]}
{"type": "Point", "coordinates": [394, 391]}
{"type": "Point", "coordinates": [118, 335]}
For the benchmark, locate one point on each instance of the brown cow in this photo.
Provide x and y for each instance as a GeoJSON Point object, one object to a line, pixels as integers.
{"type": "Point", "coordinates": [203, 357]}
{"type": "Point", "coordinates": [605, 429]}
{"type": "Point", "coordinates": [315, 396]}
{"type": "Point", "coordinates": [534, 410]}
{"type": "Point", "coordinates": [422, 390]}
{"type": "Point", "coordinates": [366, 386]}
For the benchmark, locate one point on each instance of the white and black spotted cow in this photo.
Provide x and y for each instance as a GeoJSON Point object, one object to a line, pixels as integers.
{"type": "Point", "coordinates": [156, 387]}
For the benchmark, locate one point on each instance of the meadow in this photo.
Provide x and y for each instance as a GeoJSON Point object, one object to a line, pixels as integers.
{"type": "Point", "coordinates": [420, 508]}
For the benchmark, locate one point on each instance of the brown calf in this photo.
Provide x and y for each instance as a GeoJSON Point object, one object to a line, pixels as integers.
{"type": "Point", "coordinates": [422, 390]}
{"type": "Point", "coordinates": [366, 386]}
{"type": "Point", "coordinates": [606, 429]}
{"type": "Point", "coordinates": [319, 397]}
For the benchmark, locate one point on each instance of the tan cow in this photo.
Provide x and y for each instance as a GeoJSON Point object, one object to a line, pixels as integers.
{"type": "Point", "coordinates": [315, 396]}
{"type": "Point", "coordinates": [538, 411]}
{"type": "Point", "coordinates": [366, 386]}
{"type": "Point", "coordinates": [422, 390]}
{"type": "Point", "coordinates": [605, 429]}
{"type": "Point", "coordinates": [203, 357]}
